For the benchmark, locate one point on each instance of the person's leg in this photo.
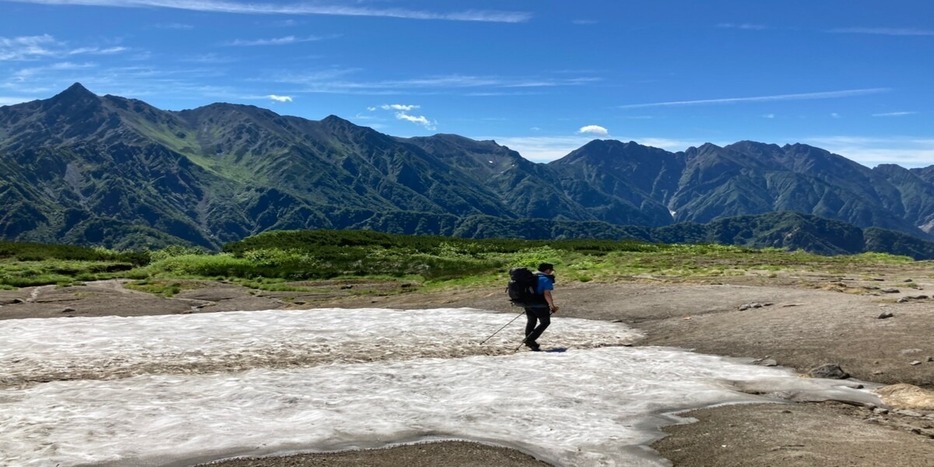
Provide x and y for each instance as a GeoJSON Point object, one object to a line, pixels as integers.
{"type": "Point", "coordinates": [530, 323]}
{"type": "Point", "coordinates": [543, 315]}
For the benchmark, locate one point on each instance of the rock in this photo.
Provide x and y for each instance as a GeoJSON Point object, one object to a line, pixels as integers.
{"type": "Point", "coordinates": [906, 397]}
{"type": "Point", "coordinates": [768, 362]}
{"type": "Point", "coordinates": [829, 371]}
{"type": "Point", "coordinates": [886, 315]}
{"type": "Point", "coordinates": [915, 362]}
{"type": "Point", "coordinates": [68, 310]}
{"type": "Point", "coordinates": [912, 297]}
{"type": "Point", "coordinates": [889, 290]}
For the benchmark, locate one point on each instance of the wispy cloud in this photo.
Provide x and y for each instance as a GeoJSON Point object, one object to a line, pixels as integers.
{"type": "Point", "coordinates": [747, 26]}
{"type": "Point", "coordinates": [9, 100]}
{"type": "Point", "coordinates": [402, 107]}
{"type": "Point", "coordinates": [402, 112]}
{"type": "Point", "coordinates": [300, 8]}
{"type": "Point", "coordinates": [175, 26]}
{"type": "Point", "coordinates": [286, 40]}
{"type": "Point", "coordinates": [27, 47]}
{"type": "Point", "coordinates": [417, 119]}
{"type": "Point", "coordinates": [884, 31]}
{"type": "Point", "coordinates": [278, 98]}
{"type": "Point", "coordinates": [340, 81]}
{"type": "Point", "coordinates": [773, 98]}
{"type": "Point", "coordinates": [97, 50]}
{"type": "Point", "coordinates": [906, 152]}
{"type": "Point", "coordinates": [28, 73]}
{"type": "Point", "coordinates": [894, 114]}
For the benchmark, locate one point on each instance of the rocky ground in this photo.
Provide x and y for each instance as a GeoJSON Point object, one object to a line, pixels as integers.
{"type": "Point", "coordinates": [874, 326]}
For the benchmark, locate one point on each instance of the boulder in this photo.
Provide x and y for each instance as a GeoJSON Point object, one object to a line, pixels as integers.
{"type": "Point", "coordinates": [829, 371]}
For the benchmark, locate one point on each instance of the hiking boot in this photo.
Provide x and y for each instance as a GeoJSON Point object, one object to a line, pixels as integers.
{"type": "Point", "coordinates": [533, 345]}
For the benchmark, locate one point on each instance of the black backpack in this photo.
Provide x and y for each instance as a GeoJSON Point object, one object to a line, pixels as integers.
{"type": "Point", "coordinates": [521, 286]}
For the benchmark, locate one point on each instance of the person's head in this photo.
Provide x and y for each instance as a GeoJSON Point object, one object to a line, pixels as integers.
{"type": "Point", "coordinates": [546, 268]}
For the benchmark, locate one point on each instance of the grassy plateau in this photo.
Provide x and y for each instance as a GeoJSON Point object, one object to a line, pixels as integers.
{"type": "Point", "coordinates": [296, 260]}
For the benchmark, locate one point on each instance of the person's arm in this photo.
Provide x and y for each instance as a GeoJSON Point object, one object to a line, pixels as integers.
{"type": "Point", "coordinates": [551, 302]}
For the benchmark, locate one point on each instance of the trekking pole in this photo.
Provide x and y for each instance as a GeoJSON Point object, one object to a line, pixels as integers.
{"type": "Point", "coordinates": [504, 327]}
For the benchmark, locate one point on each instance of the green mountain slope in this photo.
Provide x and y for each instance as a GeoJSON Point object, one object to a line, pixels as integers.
{"type": "Point", "coordinates": [117, 172]}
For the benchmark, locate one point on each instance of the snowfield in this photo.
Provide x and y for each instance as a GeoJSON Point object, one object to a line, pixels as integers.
{"type": "Point", "coordinates": [177, 389]}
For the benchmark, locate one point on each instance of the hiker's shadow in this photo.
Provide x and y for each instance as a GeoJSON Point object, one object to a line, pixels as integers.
{"type": "Point", "coordinates": [556, 349]}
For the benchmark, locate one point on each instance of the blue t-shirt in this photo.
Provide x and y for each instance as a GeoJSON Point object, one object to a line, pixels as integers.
{"type": "Point", "coordinates": [544, 283]}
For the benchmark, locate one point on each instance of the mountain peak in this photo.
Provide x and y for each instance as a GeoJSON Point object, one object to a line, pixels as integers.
{"type": "Point", "coordinates": [335, 120]}
{"type": "Point", "coordinates": [76, 90]}
{"type": "Point", "coordinates": [74, 98]}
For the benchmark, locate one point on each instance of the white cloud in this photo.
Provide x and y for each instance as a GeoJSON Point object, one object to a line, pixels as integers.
{"type": "Point", "coordinates": [885, 31]}
{"type": "Point", "coordinates": [339, 81]}
{"type": "Point", "coordinates": [27, 47]}
{"type": "Point", "coordinates": [7, 100]}
{"type": "Point", "coordinates": [29, 73]}
{"type": "Point", "coordinates": [401, 112]}
{"type": "Point", "coordinates": [280, 98]}
{"type": "Point", "coordinates": [746, 26]}
{"type": "Point", "coordinates": [97, 51]}
{"type": "Point", "coordinates": [593, 130]}
{"type": "Point", "coordinates": [773, 98]}
{"type": "Point", "coordinates": [401, 107]}
{"type": "Point", "coordinates": [870, 152]}
{"type": "Point", "coordinates": [30, 48]}
{"type": "Point", "coordinates": [177, 26]}
{"type": "Point", "coordinates": [300, 8]}
{"type": "Point", "coordinates": [894, 114]}
{"type": "Point", "coordinates": [286, 40]}
{"type": "Point", "coordinates": [417, 119]}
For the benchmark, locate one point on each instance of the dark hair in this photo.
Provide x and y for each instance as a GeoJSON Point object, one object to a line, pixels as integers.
{"type": "Point", "coordinates": [545, 266]}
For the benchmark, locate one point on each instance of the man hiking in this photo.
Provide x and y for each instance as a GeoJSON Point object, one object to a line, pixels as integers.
{"type": "Point", "coordinates": [541, 306]}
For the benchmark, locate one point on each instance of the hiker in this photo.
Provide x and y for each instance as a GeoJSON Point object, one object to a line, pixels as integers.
{"type": "Point", "coordinates": [541, 306]}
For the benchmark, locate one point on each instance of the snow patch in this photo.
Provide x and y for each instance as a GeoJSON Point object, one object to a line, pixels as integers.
{"type": "Point", "coordinates": [159, 390]}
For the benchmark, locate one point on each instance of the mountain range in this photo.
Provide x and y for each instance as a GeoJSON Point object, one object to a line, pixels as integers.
{"type": "Point", "coordinates": [107, 170]}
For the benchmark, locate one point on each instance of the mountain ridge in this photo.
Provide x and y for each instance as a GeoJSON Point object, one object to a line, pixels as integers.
{"type": "Point", "coordinates": [94, 169]}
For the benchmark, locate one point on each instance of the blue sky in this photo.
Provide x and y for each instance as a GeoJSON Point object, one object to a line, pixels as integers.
{"type": "Point", "coordinates": [542, 77]}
